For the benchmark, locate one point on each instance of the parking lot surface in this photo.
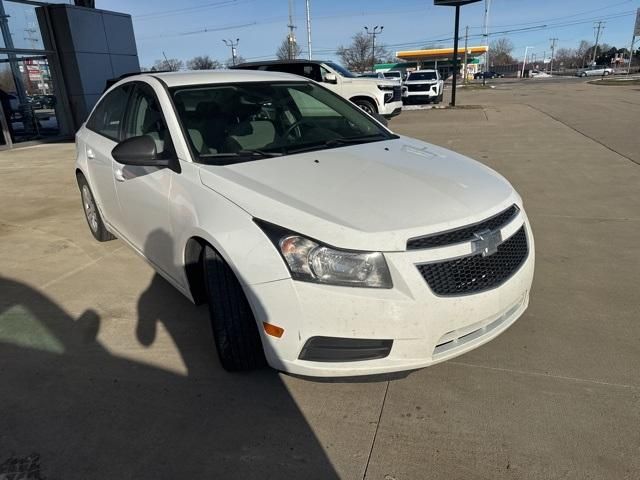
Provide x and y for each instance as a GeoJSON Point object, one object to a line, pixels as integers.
{"type": "Point", "coordinates": [108, 372]}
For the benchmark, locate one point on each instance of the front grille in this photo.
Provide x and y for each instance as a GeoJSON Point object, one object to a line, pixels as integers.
{"type": "Point", "coordinates": [475, 273]}
{"type": "Point", "coordinates": [419, 87]}
{"type": "Point", "coordinates": [464, 234]}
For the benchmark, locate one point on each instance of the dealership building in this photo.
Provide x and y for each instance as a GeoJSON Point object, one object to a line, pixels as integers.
{"type": "Point", "coordinates": [54, 62]}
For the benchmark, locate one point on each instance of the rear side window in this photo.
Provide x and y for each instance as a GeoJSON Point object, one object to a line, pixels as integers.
{"type": "Point", "coordinates": [107, 116]}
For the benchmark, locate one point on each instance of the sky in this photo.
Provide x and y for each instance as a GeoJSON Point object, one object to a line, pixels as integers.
{"type": "Point", "coordinates": [189, 28]}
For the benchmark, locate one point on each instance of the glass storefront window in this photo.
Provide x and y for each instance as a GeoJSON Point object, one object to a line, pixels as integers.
{"type": "Point", "coordinates": [24, 27]}
{"type": "Point", "coordinates": [28, 97]}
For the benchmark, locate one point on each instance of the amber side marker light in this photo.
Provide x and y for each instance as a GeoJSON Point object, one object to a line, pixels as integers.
{"type": "Point", "coordinates": [273, 330]}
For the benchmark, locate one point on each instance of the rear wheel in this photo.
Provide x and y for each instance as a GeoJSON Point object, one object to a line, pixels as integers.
{"type": "Point", "coordinates": [91, 212]}
{"type": "Point", "coordinates": [234, 327]}
{"type": "Point", "coordinates": [366, 105]}
{"type": "Point", "coordinates": [606, 73]}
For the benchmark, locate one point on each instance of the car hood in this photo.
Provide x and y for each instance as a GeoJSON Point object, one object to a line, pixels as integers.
{"type": "Point", "coordinates": [370, 196]}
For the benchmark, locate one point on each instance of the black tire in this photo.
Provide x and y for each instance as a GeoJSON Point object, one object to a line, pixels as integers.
{"type": "Point", "coordinates": [235, 331]}
{"type": "Point", "coordinates": [91, 212]}
{"type": "Point", "coordinates": [366, 105]}
{"type": "Point", "coordinates": [605, 73]}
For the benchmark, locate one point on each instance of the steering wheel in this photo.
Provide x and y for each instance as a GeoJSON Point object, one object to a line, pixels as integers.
{"type": "Point", "coordinates": [295, 125]}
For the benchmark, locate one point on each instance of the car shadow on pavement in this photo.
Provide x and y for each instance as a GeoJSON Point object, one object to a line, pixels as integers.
{"type": "Point", "coordinates": [73, 410]}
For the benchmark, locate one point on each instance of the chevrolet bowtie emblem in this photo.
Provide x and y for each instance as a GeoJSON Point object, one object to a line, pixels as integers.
{"type": "Point", "coordinates": [486, 242]}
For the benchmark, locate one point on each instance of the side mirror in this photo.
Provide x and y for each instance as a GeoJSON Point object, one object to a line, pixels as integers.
{"type": "Point", "coordinates": [381, 119]}
{"type": "Point", "coordinates": [331, 78]}
{"type": "Point", "coordinates": [138, 151]}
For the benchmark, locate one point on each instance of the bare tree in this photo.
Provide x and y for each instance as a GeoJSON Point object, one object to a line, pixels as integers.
{"type": "Point", "coordinates": [239, 59]}
{"type": "Point", "coordinates": [204, 62]}
{"type": "Point", "coordinates": [501, 52]}
{"type": "Point", "coordinates": [283, 50]}
{"type": "Point", "coordinates": [168, 64]}
{"type": "Point", "coordinates": [581, 53]}
{"type": "Point", "coordinates": [358, 56]}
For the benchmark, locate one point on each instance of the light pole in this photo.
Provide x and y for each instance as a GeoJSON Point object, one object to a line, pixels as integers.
{"type": "Point", "coordinates": [233, 45]}
{"type": "Point", "coordinates": [524, 62]}
{"type": "Point", "coordinates": [373, 34]}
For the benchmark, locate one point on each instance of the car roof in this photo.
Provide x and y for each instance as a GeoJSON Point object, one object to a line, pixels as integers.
{"type": "Point", "coordinates": [277, 62]}
{"type": "Point", "coordinates": [426, 70]}
{"type": "Point", "coordinates": [200, 77]}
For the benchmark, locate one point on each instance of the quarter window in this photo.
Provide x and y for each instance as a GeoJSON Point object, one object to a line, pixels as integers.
{"type": "Point", "coordinates": [107, 116]}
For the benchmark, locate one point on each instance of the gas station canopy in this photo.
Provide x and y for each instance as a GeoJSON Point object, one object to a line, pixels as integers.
{"type": "Point", "coordinates": [440, 54]}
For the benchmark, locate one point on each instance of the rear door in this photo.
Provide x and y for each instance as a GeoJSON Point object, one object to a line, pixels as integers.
{"type": "Point", "coordinates": [101, 135]}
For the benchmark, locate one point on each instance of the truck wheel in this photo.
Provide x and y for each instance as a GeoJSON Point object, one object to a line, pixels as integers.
{"type": "Point", "coordinates": [366, 105]}
{"type": "Point", "coordinates": [91, 212]}
{"type": "Point", "coordinates": [235, 332]}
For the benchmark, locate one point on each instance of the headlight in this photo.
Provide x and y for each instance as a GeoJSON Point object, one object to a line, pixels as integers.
{"type": "Point", "coordinates": [311, 261]}
{"type": "Point", "coordinates": [386, 87]}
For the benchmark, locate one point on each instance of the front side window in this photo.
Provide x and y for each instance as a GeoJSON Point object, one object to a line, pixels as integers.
{"type": "Point", "coordinates": [145, 118]}
{"type": "Point", "coordinates": [107, 116]}
{"type": "Point", "coordinates": [343, 72]}
{"type": "Point", "coordinates": [246, 121]}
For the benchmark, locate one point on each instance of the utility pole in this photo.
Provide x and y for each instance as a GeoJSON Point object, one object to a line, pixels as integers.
{"type": "Point", "coordinates": [309, 29]}
{"type": "Point", "coordinates": [524, 62]}
{"type": "Point", "coordinates": [234, 51]}
{"type": "Point", "coordinates": [598, 27]}
{"type": "Point", "coordinates": [454, 80]}
{"type": "Point", "coordinates": [485, 28]}
{"type": "Point", "coordinates": [466, 49]}
{"type": "Point", "coordinates": [291, 38]}
{"type": "Point", "coordinates": [374, 31]}
{"type": "Point", "coordinates": [553, 49]}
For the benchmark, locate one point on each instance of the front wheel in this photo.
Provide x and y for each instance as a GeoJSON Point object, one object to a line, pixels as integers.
{"type": "Point", "coordinates": [583, 75]}
{"type": "Point", "coordinates": [367, 106]}
{"type": "Point", "coordinates": [235, 331]}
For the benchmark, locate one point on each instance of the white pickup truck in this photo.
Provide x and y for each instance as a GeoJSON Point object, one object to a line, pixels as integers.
{"type": "Point", "coordinates": [373, 95]}
{"type": "Point", "coordinates": [424, 85]}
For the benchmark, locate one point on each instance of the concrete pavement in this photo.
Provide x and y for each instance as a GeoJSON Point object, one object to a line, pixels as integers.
{"type": "Point", "coordinates": [107, 372]}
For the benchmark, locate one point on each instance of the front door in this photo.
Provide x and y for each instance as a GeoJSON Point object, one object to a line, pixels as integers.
{"type": "Point", "coordinates": [143, 192]}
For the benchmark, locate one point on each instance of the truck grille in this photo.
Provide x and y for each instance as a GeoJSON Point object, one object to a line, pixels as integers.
{"type": "Point", "coordinates": [475, 273]}
{"type": "Point", "coordinates": [464, 234]}
{"type": "Point", "coordinates": [420, 87]}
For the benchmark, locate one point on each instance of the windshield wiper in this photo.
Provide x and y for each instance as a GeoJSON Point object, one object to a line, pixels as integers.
{"type": "Point", "coordinates": [240, 155]}
{"type": "Point", "coordinates": [339, 142]}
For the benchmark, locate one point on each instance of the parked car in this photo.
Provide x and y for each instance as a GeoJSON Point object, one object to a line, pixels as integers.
{"type": "Point", "coordinates": [594, 71]}
{"type": "Point", "coordinates": [479, 75]}
{"type": "Point", "coordinates": [322, 241]}
{"type": "Point", "coordinates": [373, 95]}
{"type": "Point", "coordinates": [424, 86]}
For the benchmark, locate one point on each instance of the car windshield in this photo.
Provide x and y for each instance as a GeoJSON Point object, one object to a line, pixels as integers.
{"type": "Point", "coordinates": [423, 76]}
{"type": "Point", "coordinates": [392, 74]}
{"type": "Point", "coordinates": [230, 123]}
{"type": "Point", "coordinates": [343, 72]}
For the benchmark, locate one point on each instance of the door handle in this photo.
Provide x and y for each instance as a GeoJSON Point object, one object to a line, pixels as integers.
{"type": "Point", "coordinates": [119, 175]}
{"type": "Point", "coordinates": [90, 154]}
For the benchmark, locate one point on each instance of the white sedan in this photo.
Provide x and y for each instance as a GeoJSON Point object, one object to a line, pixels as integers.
{"type": "Point", "coordinates": [324, 244]}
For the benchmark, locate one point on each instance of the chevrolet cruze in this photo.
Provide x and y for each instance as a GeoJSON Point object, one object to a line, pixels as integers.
{"type": "Point", "coordinates": [323, 243]}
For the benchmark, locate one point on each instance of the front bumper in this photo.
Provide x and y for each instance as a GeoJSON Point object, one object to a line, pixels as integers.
{"type": "Point", "coordinates": [390, 108]}
{"type": "Point", "coordinates": [425, 328]}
